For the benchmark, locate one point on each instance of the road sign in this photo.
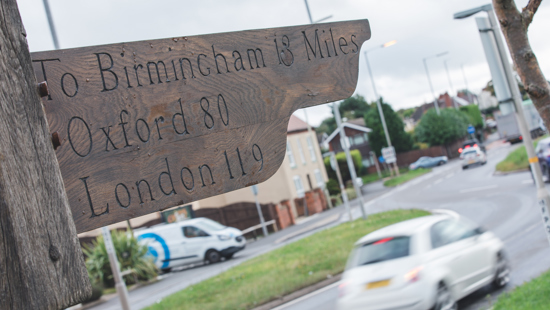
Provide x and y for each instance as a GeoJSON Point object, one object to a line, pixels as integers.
{"type": "Point", "coordinates": [143, 126]}
{"type": "Point", "coordinates": [389, 154]}
{"type": "Point", "coordinates": [471, 129]}
{"type": "Point", "coordinates": [381, 159]}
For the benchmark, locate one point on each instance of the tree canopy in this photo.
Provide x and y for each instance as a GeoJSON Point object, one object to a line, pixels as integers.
{"type": "Point", "coordinates": [400, 139]}
{"type": "Point", "coordinates": [351, 108]}
{"type": "Point", "coordinates": [442, 129]}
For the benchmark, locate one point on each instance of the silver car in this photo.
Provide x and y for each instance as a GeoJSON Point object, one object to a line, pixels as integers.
{"type": "Point", "coordinates": [473, 156]}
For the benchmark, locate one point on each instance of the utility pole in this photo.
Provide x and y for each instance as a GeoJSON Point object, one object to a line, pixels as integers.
{"type": "Point", "coordinates": [351, 165]}
{"type": "Point", "coordinates": [450, 84]}
{"type": "Point", "coordinates": [258, 207]}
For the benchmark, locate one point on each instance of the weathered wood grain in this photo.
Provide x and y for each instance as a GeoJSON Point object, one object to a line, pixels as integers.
{"type": "Point", "coordinates": [41, 263]}
{"type": "Point", "coordinates": [164, 113]}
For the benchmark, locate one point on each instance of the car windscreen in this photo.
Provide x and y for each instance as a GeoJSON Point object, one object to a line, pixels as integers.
{"type": "Point", "coordinates": [210, 225]}
{"type": "Point", "coordinates": [379, 251]}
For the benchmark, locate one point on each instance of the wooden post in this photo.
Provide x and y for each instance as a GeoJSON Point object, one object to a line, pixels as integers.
{"type": "Point", "coordinates": [42, 266]}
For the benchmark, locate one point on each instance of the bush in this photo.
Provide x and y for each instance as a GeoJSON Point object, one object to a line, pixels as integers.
{"type": "Point", "coordinates": [333, 187]}
{"type": "Point", "coordinates": [130, 255]}
{"type": "Point", "coordinates": [343, 164]}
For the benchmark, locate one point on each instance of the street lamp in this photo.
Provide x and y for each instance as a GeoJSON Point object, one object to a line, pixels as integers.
{"type": "Point", "coordinates": [430, 80]}
{"type": "Point", "coordinates": [378, 100]}
{"type": "Point", "coordinates": [450, 83]}
{"type": "Point", "coordinates": [542, 194]}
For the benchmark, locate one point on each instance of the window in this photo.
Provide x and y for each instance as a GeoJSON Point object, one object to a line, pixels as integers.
{"type": "Point", "coordinates": [358, 139]}
{"type": "Point", "coordinates": [301, 151]}
{"type": "Point", "coordinates": [319, 178]}
{"type": "Point", "coordinates": [366, 162]}
{"type": "Point", "coordinates": [449, 231]}
{"type": "Point", "coordinates": [193, 232]}
{"type": "Point", "coordinates": [299, 186]}
{"type": "Point", "coordinates": [311, 149]}
{"type": "Point", "coordinates": [379, 251]}
{"type": "Point", "coordinates": [291, 160]}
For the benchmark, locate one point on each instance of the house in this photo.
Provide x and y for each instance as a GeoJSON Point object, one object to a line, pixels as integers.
{"type": "Point", "coordinates": [357, 137]}
{"type": "Point", "coordinates": [302, 171]}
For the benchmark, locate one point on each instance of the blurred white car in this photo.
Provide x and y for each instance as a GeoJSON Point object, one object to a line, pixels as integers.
{"type": "Point", "coordinates": [425, 263]}
{"type": "Point", "coordinates": [473, 156]}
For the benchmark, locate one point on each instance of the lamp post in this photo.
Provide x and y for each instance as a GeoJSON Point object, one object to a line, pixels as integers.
{"type": "Point", "coordinates": [378, 99]}
{"type": "Point", "coordinates": [430, 80]}
{"type": "Point", "coordinates": [510, 81]}
{"type": "Point", "coordinates": [450, 83]}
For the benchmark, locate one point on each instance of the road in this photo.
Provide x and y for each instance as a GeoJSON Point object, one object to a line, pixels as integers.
{"type": "Point", "coordinates": [504, 204]}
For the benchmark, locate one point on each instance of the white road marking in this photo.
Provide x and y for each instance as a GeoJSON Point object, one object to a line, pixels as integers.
{"type": "Point", "coordinates": [429, 186]}
{"type": "Point", "coordinates": [475, 189]}
{"type": "Point", "coordinates": [450, 176]}
{"type": "Point", "coordinates": [529, 181]}
{"type": "Point", "coordinates": [297, 300]}
{"type": "Point", "coordinates": [438, 181]}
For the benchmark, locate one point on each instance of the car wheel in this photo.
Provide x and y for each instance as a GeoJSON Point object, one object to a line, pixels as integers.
{"type": "Point", "coordinates": [440, 163]}
{"type": "Point", "coordinates": [212, 256]}
{"type": "Point", "coordinates": [464, 167]}
{"type": "Point", "coordinates": [502, 272]}
{"type": "Point", "coordinates": [443, 299]}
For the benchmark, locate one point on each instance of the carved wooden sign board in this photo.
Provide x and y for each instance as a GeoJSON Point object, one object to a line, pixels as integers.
{"type": "Point", "coordinates": [144, 126]}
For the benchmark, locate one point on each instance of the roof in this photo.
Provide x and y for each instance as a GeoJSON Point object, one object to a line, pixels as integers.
{"type": "Point", "coordinates": [405, 228]}
{"type": "Point", "coordinates": [295, 124]}
{"type": "Point", "coordinates": [349, 125]}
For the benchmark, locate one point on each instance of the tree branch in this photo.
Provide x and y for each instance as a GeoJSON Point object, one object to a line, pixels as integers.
{"type": "Point", "coordinates": [529, 11]}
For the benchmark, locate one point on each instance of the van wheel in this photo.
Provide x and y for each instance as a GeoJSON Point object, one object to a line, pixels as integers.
{"type": "Point", "coordinates": [212, 256]}
{"type": "Point", "coordinates": [229, 256]}
{"type": "Point", "coordinates": [166, 270]}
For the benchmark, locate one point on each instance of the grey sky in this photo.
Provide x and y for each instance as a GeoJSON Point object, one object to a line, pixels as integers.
{"type": "Point", "coordinates": [421, 27]}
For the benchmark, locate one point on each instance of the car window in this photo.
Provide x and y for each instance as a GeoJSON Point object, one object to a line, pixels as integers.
{"type": "Point", "coordinates": [379, 251]}
{"type": "Point", "coordinates": [449, 231]}
{"type": "Point", "coordinates": [470, 152]}
{"type": "Point", "coordinates": [193, 232]}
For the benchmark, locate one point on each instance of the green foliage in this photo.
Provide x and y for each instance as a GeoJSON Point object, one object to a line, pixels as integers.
{"type": "Point", "coordinates": [327, 126]}
{"type": "Point", "coordinates": [406, 113]}
{"type": "Point", "coordinates": [517, 159]}
{"type": "Point", "coordinates": [442, 129]}
{"type": "Point", "coordinates": [473, 113]}
{"type": "Point", "coordinates": [284, 270]}
{"type": "Point", "coordinates": [343, 164]}
{"type": "Point", "coordinates": [130, 255]}
{"type": "Point", "coordinates": [354, 107]}
{"type": "Point", "coordinates": [400, 139]}
{"type": "Point", "coordinates": [332, 186]}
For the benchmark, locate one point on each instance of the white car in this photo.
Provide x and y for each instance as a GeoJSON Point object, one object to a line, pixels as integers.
{"type": "Point", "coordinates": [425, 263]}
{"type": "Point", "coordinates": [473, 156]}
{"type": "Point", "coordinates": [190, 241]}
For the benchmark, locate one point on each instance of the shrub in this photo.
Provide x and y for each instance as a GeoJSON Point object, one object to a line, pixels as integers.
{"type": "Point", "coordinates": [130, 255]}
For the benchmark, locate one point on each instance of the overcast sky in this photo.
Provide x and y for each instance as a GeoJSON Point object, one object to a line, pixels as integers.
{"type": "Point", "coordinates": [422, 28]}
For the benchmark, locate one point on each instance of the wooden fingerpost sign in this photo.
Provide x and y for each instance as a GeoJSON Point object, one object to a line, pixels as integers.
{"type": "Point", "coordinates": [144, 126]}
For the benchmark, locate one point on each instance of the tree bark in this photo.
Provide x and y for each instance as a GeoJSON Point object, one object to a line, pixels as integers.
{"type": "Point", "coordinates": [41, 262]}
{"type": "Point", "coordinates": [514, 25]}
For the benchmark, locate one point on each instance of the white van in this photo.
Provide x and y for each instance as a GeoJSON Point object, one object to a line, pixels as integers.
{"type": "Point", "coordinates": [190, 241]}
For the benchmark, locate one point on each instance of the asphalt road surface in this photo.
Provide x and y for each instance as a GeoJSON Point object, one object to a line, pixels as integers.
{"type": "Point", "coordinates": [504, 204]}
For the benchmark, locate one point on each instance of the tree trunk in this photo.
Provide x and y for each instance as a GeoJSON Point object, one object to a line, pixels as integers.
{"type": "Point", "coordinates": [514, 26]}
{"type": "Point", "coordinates": [41, 262]}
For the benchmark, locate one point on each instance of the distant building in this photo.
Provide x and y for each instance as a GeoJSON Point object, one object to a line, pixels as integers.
{"type": "Point", "coordinates": [357, 137]}
{"type": "Point", "coordinates": [486, 100]}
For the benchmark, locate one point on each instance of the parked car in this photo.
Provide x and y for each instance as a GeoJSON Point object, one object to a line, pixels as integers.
{"type": "Point", "coordinates": [427, 162]}
{"type": "Point", "coordinates": [471, 143]}
{"type": "Point", "coordinates": [424, 263]}
{"type": "Point", "coordinates": [473, 156]}
{"type": "Point", "coordinates": [543, 153]}
{"type": "Point", "coordinates": [190, 241]}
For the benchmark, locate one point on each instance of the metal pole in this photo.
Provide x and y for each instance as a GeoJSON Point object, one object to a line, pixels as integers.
{"type": "Point", "coordinates": [119, 283]}
{"type": "Point", "coordinates": [542, 193]}
{"type": "Point", "coordinates": [351, 166]}
{"type": "Point", "coordinates": [450, 84]}
{"type": "Point", "coordinates": [431, 87]}
{"type": "Point", "coordinates": [52, 27]}
{"type": "Point", "coordinates": [464, 76]}
{"type": "Point", "coordinates": [341, 183]}
{"type": "Point", "coordinates": [380, 111]}
{"type": "Point", "coordinates": [262, 222]}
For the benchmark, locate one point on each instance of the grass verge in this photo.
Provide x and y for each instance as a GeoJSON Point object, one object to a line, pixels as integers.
{"type": "Point", "coordinates": [533, 295]}
{"type": "Point", "coordinates": [517, 159]}
{"type": "Point", "coordinates": [406, 177]}
{"type": "Point", "coordinates": [282, 271]}
{"type": "Point", "coordinates": [373, 177]}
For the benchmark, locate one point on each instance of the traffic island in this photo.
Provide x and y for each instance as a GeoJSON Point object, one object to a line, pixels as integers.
{"type": "Point", "coordinates": [405, 177]}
